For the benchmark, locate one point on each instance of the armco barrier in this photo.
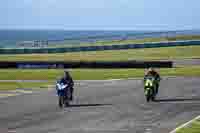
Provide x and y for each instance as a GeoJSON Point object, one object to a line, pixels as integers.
{"type": "Point", "coordinates": [82, 64]}
{"type": "Point", "coordinates": [98, 48]}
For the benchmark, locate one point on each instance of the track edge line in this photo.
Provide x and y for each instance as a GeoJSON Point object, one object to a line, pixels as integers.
{"type": "Point", "coordinates": [184, 125]}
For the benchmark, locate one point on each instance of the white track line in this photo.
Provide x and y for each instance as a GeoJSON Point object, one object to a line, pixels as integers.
{"type": "Point", "coordinates": [184, 125]}
{"type": "Point", "coordinates": [7, 95]}
{"type": "Point", "coordinates": [22, 91]}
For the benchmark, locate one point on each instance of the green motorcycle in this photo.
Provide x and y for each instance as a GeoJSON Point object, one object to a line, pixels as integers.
{"type": "Point", "coordinates": [150, 88]}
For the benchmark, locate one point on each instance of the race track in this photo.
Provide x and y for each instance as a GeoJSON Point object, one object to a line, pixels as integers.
{"type": "Point", "coordinates": [104, 107]}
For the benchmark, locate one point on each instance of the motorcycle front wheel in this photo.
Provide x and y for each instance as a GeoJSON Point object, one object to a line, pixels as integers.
{"type": "Point", "coordinates": [61, 101]}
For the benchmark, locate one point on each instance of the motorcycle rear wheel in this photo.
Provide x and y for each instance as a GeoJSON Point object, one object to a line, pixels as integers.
{"type": "Point", "coordinates": [148, 98]}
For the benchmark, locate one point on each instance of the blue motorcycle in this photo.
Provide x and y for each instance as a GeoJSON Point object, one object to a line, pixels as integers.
{"type": "Point", "coordinates": [63, 93]}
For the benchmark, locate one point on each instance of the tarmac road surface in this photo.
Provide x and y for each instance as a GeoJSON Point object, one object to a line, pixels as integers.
{"type": "Point", "coordinates": [104, 107]}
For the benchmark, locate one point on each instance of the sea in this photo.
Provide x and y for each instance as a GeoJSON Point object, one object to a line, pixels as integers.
{"type": "Point", "coordinates": [10, 38]}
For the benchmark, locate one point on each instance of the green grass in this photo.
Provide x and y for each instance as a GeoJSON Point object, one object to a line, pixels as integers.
{"type": "Point", "coordinates": [112, 55]}
{"type": "Point", "coordinates": [22, 74]}
{"type": "Point", "coordinates": [130, 73]}
{"type": "Point", "coordinates": [92, 74]}
{"type": "Point", "coordinates": [81, 74]}
{"type": "Point", "coordinates": [113, 42]}
{"type": "Point", "coordinates": [193, 128]}
{"type": "Point", "coordinates": [133, 41]}
{"type": "Point", "coordinates": [5, 86]}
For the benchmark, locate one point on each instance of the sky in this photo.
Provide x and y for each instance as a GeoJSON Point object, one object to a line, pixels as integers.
{"type": "Point", "coordinates": [100, 14]}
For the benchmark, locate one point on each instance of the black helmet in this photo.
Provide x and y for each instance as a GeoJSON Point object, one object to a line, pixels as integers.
{"type": "Point", "coordinates": [66, 73]}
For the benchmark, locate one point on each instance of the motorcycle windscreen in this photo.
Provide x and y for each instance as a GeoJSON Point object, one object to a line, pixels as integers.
{"type": "Point", "coordinates": [61, 89]}
{"type": "Point", "coordinates": [148, 83]}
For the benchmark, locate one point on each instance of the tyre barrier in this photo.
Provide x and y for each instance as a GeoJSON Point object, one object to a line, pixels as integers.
{"type": "Point", "coordinates": [82, 64]}
{"type": "Point", "coordinates": [97, 48]}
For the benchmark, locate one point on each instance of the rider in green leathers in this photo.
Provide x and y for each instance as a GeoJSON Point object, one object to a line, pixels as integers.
{"type": "Point", "coordinates": [154, 73]}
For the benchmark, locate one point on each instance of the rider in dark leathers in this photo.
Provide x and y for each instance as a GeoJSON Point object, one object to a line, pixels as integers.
{"type": "Point", "coordinates": [67, 79]}
{"type": "Point", "coordinates": [155, 74]}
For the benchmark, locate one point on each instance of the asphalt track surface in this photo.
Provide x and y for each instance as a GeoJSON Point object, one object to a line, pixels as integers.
{"type": "Point", "coordinates": [104, 107]}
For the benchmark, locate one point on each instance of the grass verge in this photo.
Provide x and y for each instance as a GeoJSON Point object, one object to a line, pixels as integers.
{"type": "Point", "coordinates": [81, 74]}
{"type": "Point", "coordinates": [92, 74]}
{"type": "Point", "coordinates": [112, 55]}
{"type": "Point", "coordinates": [194, 127]}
